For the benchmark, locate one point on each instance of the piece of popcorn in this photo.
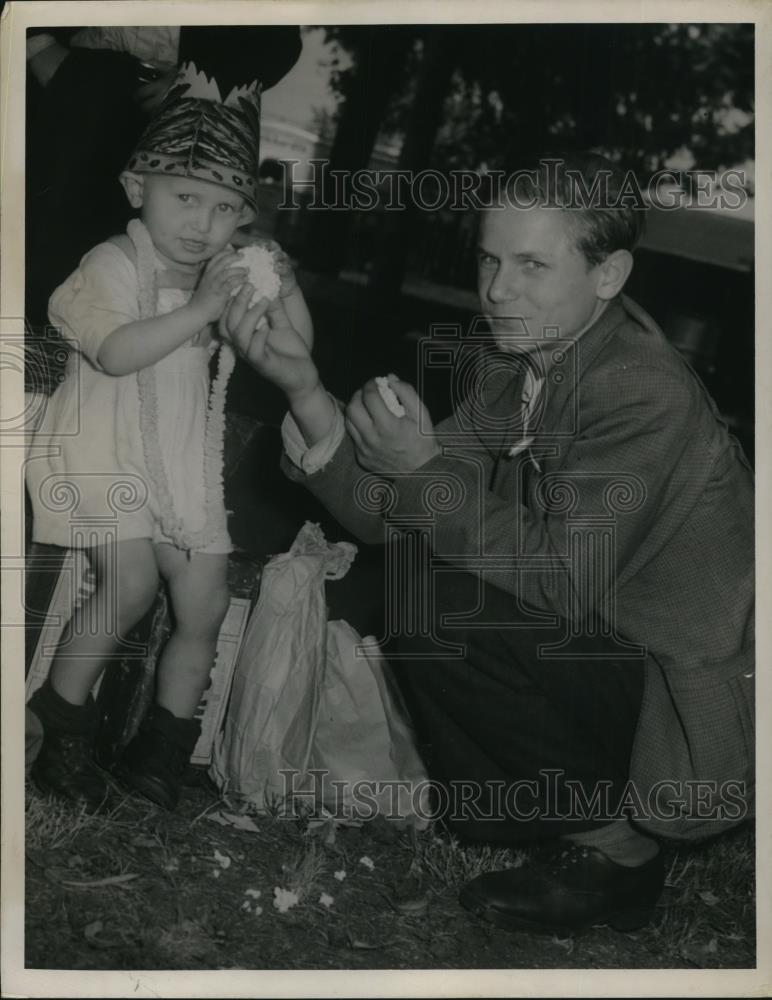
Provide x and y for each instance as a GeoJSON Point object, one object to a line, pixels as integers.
{"type": "Point", "coordinates": [389, 396]}
{"type": "Point", "coordinates": [284, 899]}
{"type": "Point", "coordinates": [262, 275]}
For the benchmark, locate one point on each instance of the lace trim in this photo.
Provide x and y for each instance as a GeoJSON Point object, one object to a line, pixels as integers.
{"type": "Point", "coordinates": [171, 524]}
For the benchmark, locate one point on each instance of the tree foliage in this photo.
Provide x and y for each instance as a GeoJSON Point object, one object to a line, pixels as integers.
{"type": "Point", "coordinates": [640, 92]}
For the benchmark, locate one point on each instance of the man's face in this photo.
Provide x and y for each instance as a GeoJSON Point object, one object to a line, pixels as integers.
{"type": "Point", "coordinates": [530, 271]}
{"type": "Point", "coordinates": [189, 220]}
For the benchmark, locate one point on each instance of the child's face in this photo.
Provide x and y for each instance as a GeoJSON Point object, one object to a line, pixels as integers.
{"type": "Point", "coordinates": [189, 220]}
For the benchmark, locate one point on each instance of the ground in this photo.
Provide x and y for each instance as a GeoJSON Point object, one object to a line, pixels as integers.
{"type": "Point", "coordinates": [210, 887]}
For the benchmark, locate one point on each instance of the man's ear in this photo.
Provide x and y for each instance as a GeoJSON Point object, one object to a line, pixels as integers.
{"type": "Point", "coordinates": [134, 186]}
{"type": "Point", "coordinates": [613, 272]}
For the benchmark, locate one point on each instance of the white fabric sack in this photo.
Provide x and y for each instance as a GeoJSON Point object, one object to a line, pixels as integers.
{"type": "Point", "coordinates": [274, 698]}
{"type": "Point", "coordinates": [312, 696]}
{"type": "Point", "coordinates": [364, 744]}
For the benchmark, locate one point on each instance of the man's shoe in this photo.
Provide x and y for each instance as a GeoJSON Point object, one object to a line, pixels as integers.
{"type": "Point", "coordinates": [578, 887]}
{"type": "Point", "coordinates": [154, 765]}
{"type": "Point", "coordinates": [65, 766]}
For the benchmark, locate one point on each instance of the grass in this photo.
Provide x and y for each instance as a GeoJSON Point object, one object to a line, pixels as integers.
{"type": "Point", "coordinates": [302, 875]}
{"type": "Point", "coordinates": [711, 901]}
{"type": "Point", "coordinates": [443, 858]}
{"type": "Point", "coordinates": [202, 896]}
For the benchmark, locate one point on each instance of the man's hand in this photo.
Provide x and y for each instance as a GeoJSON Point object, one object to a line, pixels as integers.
{"type": "Point", "coordinates": [385, 443]}
{"type": "Point", "coordinates": [267, 340]}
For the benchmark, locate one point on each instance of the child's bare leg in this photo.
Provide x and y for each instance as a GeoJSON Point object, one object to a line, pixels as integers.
{"type": "Point", "coordinates": [198, 589]}
{"type": "Point", "coordinates": [127, 583]}
{"type": "Point", "coordinates": [154, 762]}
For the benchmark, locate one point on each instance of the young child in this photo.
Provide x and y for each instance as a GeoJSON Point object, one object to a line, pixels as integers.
{"type": "Point", "coordinates": [131, 467]}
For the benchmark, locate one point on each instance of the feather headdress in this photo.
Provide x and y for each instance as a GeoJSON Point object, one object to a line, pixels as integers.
{"type": "Point", "coordinates": [196, 133]}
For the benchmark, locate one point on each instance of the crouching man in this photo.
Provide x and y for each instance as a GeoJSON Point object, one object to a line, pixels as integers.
{"type": "Point", "coordinates": [585, 679]}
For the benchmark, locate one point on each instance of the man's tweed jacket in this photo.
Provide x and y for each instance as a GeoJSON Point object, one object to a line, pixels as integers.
{"type": "Point", "coordinates": [633, 508]}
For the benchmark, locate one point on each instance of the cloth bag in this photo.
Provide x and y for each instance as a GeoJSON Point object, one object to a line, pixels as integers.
{"type": "Point", "coordinates": [364, 745]}
{"type": "Point", "coordinates": [271, 716]}
{"type": "Point", "coordinates": [315, 701]}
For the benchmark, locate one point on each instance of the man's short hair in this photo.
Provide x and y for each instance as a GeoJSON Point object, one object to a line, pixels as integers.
{"type": "Point", "coordinates": [606, 205]}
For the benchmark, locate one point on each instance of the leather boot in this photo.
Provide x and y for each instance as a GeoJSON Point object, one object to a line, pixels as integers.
{"type": "Point", "coordinates": [64, 765]}
{"type": "Point", "coordinates": [156, 759]}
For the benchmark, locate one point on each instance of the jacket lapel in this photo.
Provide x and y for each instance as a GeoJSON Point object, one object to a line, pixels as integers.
{"type": "Point", "coordinates": [559, 415]}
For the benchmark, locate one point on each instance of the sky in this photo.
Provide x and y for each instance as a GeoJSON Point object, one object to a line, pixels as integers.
{"type": "Point", "coordinates": [306, 87]}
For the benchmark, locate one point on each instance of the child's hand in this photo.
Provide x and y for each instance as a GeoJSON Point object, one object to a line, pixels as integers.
{"type": "Point", "coordinates": [285, 270]}
{"type": "Point", "coordinates": [218, 279]}
{"type": "Point", "coordinates": [273, 347]}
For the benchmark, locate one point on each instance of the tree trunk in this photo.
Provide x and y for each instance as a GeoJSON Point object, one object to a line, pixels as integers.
{"type": "Point", "coordinates": [368, 89]}
{"type": "Point", "coordinates": [437, 68]}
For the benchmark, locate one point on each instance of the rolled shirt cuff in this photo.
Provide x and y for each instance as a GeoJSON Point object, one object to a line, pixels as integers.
{"type": "Point", "coordinates": [310, 460]}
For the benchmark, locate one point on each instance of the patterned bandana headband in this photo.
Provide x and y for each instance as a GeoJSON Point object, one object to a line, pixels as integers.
{"type": "Point", "coordinates": [198, 134]}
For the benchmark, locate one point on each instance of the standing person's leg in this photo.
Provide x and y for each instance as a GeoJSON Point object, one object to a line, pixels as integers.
{"type": "Point", "coordinates": [529, 748]}
{"type": "Point", "coordinates": [81, 128]}
{"type": "Point", "coordinates": [126, 585]}
{"type": "Point", "coordinates": [156, 758]}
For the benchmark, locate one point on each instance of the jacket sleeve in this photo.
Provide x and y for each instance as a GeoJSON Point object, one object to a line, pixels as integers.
{"type": "Point", "coordinates": [619, 482]}
{"type": "Point", "coordinates": [358, 499]}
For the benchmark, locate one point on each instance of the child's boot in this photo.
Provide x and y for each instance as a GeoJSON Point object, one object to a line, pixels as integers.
{"type": "Point", "coordinates": [65, 762]}
{"type": "Point", "coordinates": [155, 761]}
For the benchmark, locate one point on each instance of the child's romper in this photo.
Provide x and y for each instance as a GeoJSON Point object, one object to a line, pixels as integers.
{"type": "Point", "coordinates": [87, 475]}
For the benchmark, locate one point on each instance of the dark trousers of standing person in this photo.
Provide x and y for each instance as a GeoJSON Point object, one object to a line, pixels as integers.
{"type": "Point", "coordinates": [518, 740]}
{"type": "Point", "coordinates": [81, 128]}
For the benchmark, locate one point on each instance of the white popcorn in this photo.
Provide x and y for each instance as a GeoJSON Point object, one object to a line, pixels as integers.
{"type": "Point", "coordinates": [262, 275]}
{"type": "Point", "coordinates": [389, 396]}
{"type": "Point", "coordinates": [284, 899]}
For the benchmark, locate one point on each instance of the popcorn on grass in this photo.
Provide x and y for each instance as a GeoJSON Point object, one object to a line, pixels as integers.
{"type": "Point", "coordinates": [284, 899]}
{"type": "Point", "coordinates": [250, 903]}
{"type": "Point", "coordinates": [223, 862]}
